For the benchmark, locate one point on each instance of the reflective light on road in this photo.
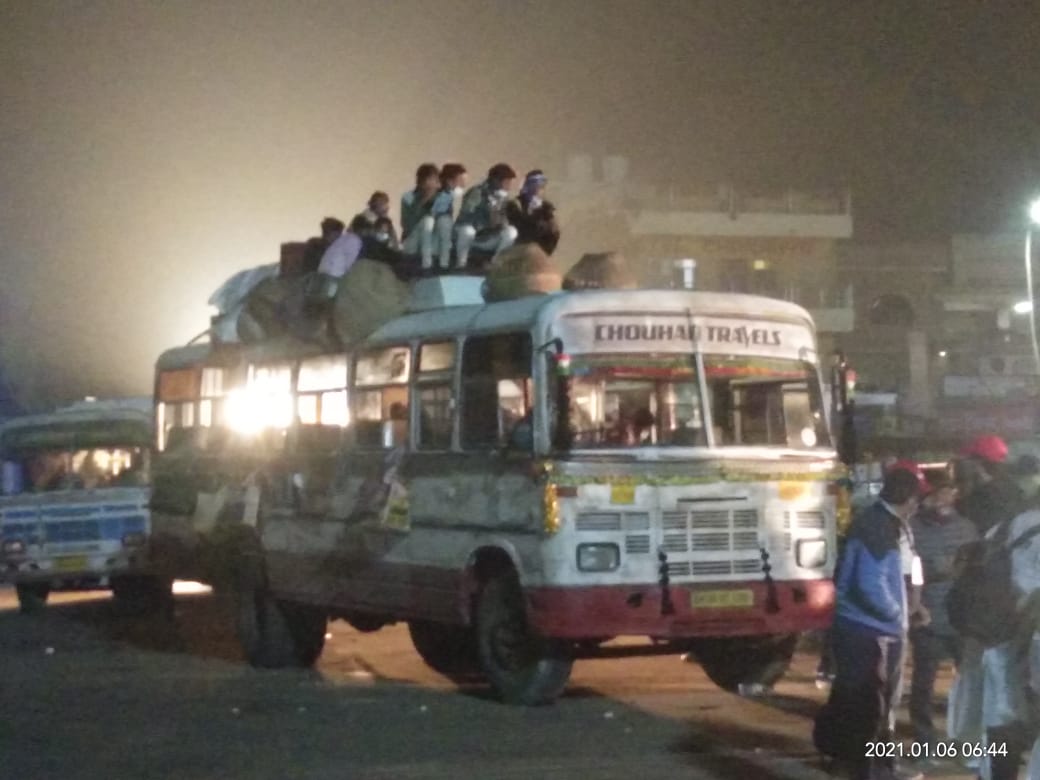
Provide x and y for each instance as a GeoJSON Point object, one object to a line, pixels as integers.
{"type": "Point", "coordinates": [186, 587]}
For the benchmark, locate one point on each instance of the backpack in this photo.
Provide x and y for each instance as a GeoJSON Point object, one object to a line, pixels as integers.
{"type": "Point", "coordinates": [981, 603]}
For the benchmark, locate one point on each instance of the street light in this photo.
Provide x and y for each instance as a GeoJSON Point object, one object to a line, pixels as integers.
{"type": "Point", "coordinates": [1034, 219]}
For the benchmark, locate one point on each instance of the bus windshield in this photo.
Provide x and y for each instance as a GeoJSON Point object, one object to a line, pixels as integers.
{"type": "Point", "coordinates": [765, 402]}
{"type": "Point", "coordinates": [619, 401]}
{"type": "Point", "coordinates": [47, 470]}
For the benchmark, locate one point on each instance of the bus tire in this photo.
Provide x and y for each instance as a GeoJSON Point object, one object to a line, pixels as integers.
{"type": "Point", "coordinates": [32, 596]}
{"type": "Point", "coordinates": [732, 662]}
{"type": "Point", "coordinates": [278, 634]}
{"type": "Point", "coordinates": [522, 666]}
{"type": "Point", "coordinates": [448, 650]}
{"type": "Point", "coordinates": [142, 594]}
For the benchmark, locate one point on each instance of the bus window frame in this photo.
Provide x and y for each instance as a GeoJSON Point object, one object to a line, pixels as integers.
{"type": "Point", "coordinates": [356, 391]}
{"type": "Point", "coordinates": [533, 395]}
{"type": "Point", "coordinates": [319, 394]}
{"type": "Point", "coordinates": [445, 377]}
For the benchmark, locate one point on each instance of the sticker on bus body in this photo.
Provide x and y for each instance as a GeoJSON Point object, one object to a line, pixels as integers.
{"type": "Point", "coordinates": [624, 493]}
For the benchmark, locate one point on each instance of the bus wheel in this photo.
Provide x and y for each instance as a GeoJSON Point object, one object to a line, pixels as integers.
{"type": "Point", "coordinates": [276, 634]}
{"type": "Point", "coordinates": [733, 662]}
{"type": "Point", "coordinates": [142, 594]}
{"type": "Point", "coordinates": [449, 650]}
{"type": "Point", "coordinates": [32, 596]}
{"type": "Point", "coordinates": [523, 667]}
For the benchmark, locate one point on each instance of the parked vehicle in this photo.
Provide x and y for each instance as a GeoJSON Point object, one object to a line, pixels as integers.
{"type": "Point", "coordinates": [74, 508]}
{"type": "Point", "coordinates": [517, 481]}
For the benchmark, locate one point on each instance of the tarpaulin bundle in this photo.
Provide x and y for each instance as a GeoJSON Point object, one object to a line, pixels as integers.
{"type": "Point", "coordinates": [600, 271]}
{"type": "Point", "coordinates": [369, 296]}
{"type": "Point", "coordinates": [521, 270]}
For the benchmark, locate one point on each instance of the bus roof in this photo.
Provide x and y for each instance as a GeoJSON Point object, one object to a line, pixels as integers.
{"type": "Point", "coordinates": [525, 312]}
{"type": "Point", "coordinates": [83, 424]}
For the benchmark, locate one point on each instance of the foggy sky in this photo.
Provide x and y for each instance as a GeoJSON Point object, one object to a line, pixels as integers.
{"type": "Point", "coordinates": [148, 150]}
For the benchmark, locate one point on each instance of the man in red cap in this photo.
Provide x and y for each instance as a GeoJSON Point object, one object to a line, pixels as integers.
{"type": "Point", "coordinates": [989, 494]}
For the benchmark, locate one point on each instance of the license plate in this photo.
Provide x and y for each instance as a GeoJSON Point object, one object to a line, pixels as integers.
{"type": "Point", "coordinates": [71, 563]}
{"type": "Point", "coordinates": [622, 494]}
{"type": "Point", "coordinates": [721, 599]}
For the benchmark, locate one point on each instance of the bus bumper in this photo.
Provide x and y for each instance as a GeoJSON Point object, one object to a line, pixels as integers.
{"type": "Point", "coordinates": [712, 609]}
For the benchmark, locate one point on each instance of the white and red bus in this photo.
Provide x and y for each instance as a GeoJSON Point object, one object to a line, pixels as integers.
{"type": "Point", "coordinates": [517, 480]}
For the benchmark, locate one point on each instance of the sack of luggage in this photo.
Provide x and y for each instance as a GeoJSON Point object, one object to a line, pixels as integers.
{"type": "Point", "coordinates": [521, 270]}
{"type": "Point", "coordinates": [600, 271]}
{"type": "Point", "coordinates": [369, 295]}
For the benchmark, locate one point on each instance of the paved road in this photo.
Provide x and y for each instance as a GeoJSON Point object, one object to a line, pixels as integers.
{"type": "Point", "coordinates": [88, 693]}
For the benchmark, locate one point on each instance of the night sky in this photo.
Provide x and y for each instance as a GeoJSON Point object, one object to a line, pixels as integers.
{"type": "Point", "coordinates": [150, 149]}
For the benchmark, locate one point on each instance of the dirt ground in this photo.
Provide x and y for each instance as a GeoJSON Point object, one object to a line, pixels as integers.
{"type": "Point", "coordinates": [86, 692]}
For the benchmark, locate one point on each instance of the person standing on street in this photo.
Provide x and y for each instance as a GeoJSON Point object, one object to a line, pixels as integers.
{"type": "Point", "coordinates": [939, 531]}
{"type": "Point", "coordinates": [870, 623]}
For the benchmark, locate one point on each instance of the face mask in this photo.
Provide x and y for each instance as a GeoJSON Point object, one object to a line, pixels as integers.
{"type": "Point", "coordinates": [457, 192]}
{"type": "Point", "coordinates": [382, 238]}
{"type": "Point", "coordinates": [501, 194]}
{"type": "Point", "coordinates": [535, 201]}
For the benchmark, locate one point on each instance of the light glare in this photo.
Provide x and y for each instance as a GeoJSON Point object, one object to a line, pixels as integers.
{"type": "Point", "coordinates": [1023, 307]}
{"type": "Point", "coordinates": [1034, 212]}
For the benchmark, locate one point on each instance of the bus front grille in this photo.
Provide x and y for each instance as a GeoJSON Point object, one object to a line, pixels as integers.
{"type": "Point", "coordinates": [72, 531]}
{"type": "Point", "coordinates": [705, 543]}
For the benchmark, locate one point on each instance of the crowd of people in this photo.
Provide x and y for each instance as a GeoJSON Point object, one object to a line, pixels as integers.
{"type": "Point", "coordinates": [902, 588]}
{"type": "Point", "coordinates": [443, 225]}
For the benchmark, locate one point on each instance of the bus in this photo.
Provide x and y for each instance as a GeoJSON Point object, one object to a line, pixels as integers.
{"type": "Point", "coordinates": [74, 509]}
{"type": "Point", "coordinates": [519, 480]}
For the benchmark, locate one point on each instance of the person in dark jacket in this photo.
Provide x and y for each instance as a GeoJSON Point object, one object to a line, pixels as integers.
{"type": "Point", "coordinates": [482, 222]}
{"type": "Point", "coordinates": [870, 622]}
{"type": "Point", "coordinates": [939, 531]}
{"type": "Point", "coordinates": [992, 496]}
{"type": "Point", "coordinates": [534, 217]}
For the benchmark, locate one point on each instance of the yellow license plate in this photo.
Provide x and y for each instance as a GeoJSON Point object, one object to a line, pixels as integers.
{"type": "Point", "coordinates": [70, 563]}
{"type": "Point", "coordinates": [721, 599]}
{"type": "Point", "coordinates": [622, 494]}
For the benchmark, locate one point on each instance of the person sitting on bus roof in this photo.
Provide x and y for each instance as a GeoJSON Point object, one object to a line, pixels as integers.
{"type": "Point", "coordinates": [417, 221]}
{"type": "Point", "coordinates": [453, 183]}
{"type": "Point", "coordinates": [331, 229]}
{"type": "Point", "coordinates": [378, 206]}
{"type": "Point", "coordinates": [482, 220]}
{"type": "Point", "coordinates": [377, 245]}
{"type": "Point", "coordinates": [534, 217]}
{"type": "Point", "coordinates": [345, 250]}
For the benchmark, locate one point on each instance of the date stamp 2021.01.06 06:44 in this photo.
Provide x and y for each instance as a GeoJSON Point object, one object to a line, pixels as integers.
{"type": "Point", "coordinates": [949, 751]}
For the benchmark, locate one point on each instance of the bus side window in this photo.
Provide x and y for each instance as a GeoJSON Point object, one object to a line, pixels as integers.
{"type": "Point", "coordinates": [496, 388]}
{"type": "Point", "coordinates": [435, 394]}
{"type": "Point", "coordinates": [381, 398]}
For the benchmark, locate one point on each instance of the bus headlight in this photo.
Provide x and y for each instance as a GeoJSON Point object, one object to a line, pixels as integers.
{"type": "Point", "coordinates": [14, 547]}
{"type": "Point", "coordinates": [811, 553]}
{"type": "Point", "coordinates": [598, 557]}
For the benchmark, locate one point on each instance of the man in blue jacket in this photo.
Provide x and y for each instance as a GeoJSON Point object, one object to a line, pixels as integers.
{"type": "Point", "coordinates": [868, 633]}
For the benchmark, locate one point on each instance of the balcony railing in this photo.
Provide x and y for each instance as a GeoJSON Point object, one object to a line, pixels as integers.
{"type": "Point", "coordinates": [728, 200]}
